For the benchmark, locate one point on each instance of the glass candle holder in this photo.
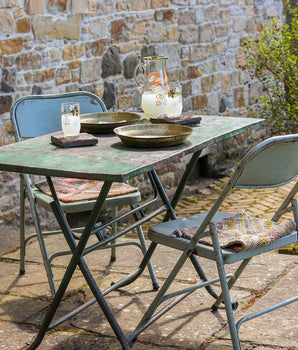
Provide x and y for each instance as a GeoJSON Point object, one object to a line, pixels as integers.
{"type": "Point", "coordinates": [70, 119]}
{"type": "Point", "coordinates": [174, 100]}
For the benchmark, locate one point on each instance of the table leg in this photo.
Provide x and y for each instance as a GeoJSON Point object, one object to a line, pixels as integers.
{"type": "Point", "coordinates": [74, 262]}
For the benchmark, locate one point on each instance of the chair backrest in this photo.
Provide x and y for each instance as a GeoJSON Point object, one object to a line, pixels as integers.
{"type": "Point", "coordinates": [273, 162]}
{"type": "Point", "coordinates": [37, 115]}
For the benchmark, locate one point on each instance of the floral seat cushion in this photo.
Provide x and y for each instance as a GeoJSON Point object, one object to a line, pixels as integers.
{"type": "Point", "coordinates": [74, 190]}
{"type": "Point", "coordinates": [241, 232]}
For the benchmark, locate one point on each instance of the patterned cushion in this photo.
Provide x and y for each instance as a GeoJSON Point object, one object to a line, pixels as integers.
{"type": "Point", "coordinates": [74, 190]}
{"type": "Point", "coordinates": [242, 232]}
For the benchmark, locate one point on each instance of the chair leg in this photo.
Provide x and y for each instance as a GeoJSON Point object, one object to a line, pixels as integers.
{"type": "Point", "coordinates": [22, 226]}
{"type": "Point", "coordinates": [114, 231]}
{"type": "Point", "coordinates": [41, 241]}
{"type": "Point", "coordinates": [149, 263]}
{"type": "Point", "coordinates": [231, 282]}
{"type": "Point", "coordinates": [225, 289]}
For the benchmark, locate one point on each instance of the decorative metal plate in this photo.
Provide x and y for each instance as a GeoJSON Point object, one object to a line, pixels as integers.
{"type": "Point", "coordinates": [105, 122]}
{"type": "Point", "coordinates": [153, 135]}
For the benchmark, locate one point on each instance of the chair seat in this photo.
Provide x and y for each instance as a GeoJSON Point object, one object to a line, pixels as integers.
{"type": "Point", "coordinates": [163, 234]}
{"type": "Point", "coordinates": [76, 190]}
{"type": "Point", "coordinates": [45, 200]}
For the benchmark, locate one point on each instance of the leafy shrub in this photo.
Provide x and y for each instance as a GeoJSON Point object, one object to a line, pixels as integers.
{"type": "Point", "coordinates": [273, 60]}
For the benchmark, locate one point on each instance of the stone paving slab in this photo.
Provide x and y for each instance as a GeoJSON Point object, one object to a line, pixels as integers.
{"type": "Point", "coordinates": [163, 259]}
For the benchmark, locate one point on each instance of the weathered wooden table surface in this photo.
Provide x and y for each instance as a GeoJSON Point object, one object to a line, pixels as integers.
{"type": "Point", "coordinates": [110, 159]}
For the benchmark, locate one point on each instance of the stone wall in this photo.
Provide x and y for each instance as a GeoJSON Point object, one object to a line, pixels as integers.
{"type": "Point", "coordinates": [51, 46]}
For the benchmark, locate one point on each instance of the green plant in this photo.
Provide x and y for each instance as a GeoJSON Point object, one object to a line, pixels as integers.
{"type": "Point", "coordinates": [273, 60]}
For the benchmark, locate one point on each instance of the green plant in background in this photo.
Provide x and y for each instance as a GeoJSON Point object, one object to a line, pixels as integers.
{"type": "Point", "coordinates": [273, 60]}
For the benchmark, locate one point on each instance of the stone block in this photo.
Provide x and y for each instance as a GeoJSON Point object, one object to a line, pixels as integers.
{"type": "Point", "coordinates": [206, 32]}
{"type": "Point", "coordinates": [189, 34]}
{"type": "Point", "coordinates": [221, 30]}
{"type": "Point", "coordinates": [206, 83]}
{"type": "Point", "coordinates": [172, 33]}
{"type": "Point", "coordinates": [211, 13]}
{"type": "Point", "coordinates": [195, 72]}
{"type": "Point", "coordinates": [79, 5]}
{"type": "Point", "coordinates": [119, 30]}
{"type": "Point", "coordinates": [46, 29]}
{"type": "Point", "coordinates": [240, 58]}
{"type": "Point", "coordinates": [75, 64]}
{"type": "Point", "coordinates": [138, 30]}
{"type": "Point", "coordinates": [57, 6]}
{"type": "Point", "coordinates": [11, 46]}
{"type": "Point", "coordinates": [9, 3]}
{"type": "Point", "coordinates": [109, 95]}
{"type": "Point", "coordinates": [35, 7]}
{"type": "Point", "coordinates": [218, 47]}
{"type": "Point", "coordinates": [5, 103]}
{"type": "Point", "coordinates": [164, 14]}
{"type": "Point", "coordinates": [51, 57]}
{"type": "Point", "coordinates": [239, 24]}
{"type": "Point", "coordinates": [7, 23]}
{"type": "Point", "coordinates": [186, 89]}
{"type": "Point", "coordinates": [23, 25]}
{"type": "Point", "coordinates": [8, 80]}
{"type": "Point", "coordinates": [225, 16]}
{"type": "Point", "coordinates": [98, 28]}
{"type": "Point", "coordinates": [226, 83]}
{"type": "Point", "coordinates": [72, 88]}
{"type": "Point", "coordinates": [90, 70]}
{"type": "Point", "coordinates": [156, 33]}
{"type": "Point", "coordinates": [199, 102]}
{"type": "Point", "coordinates": [124, 102]}
{"type": "Point", "coordinates": [98, 47]}
{"type": "Point", "coordinates": [200, 52]}
{"type": "Point", "coordinates": [28, 61]}
{"type": "Point", "coordinates": [159, 3]}
{"type": "Point", "coordinates": [111, 64]}
{"type": "Point", "coordinates": [172, 51]}
{"type": "Point", "coordinates": [68, 52]}
{"type": "Point", "coordinates": [63, 75]}
{"type": "Point", "coordinates": [75, 75]}
{"type": "Point", "coordinates": [187, 17]}
{"type": "Point", "coordinates": [9, 61]}
{"type": "Point", "coordinates": [92, 5]}
{"type": "Point", "coordinates": [140, 5]}
{"type": "Point", "coordinates": [239, 97]}
{"type": "Point", "coordinates": [19, 13]}
{"type": "Point", "coordinates": [121, 6]}
{"type": "Point", "coordinates": [129, 64]}
{"type": "Point", "coordinates": [79, 50]}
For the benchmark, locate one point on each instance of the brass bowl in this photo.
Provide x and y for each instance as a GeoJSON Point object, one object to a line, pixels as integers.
{"type": "Point", "coordinates": [153, 135]}
{"type": "Point", "coordinates": [105, 122]}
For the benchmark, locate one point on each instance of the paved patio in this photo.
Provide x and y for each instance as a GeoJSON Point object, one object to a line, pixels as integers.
{"type": "Point", "coordinates": [190, 325]}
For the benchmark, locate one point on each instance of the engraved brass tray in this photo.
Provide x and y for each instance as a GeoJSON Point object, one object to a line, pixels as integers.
{"type": "Point", "coordinates": [105, 122]}
{"type": "Point", "coordinates": [153, 135]}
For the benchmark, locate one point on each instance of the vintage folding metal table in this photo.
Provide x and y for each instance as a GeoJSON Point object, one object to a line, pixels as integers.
{"type": "Point", "coordinates": [111, 161]}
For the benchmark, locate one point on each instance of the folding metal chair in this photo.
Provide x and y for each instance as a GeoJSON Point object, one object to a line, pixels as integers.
{"type": "Point", "coordinates": [37, 115]}
{"type": "Point", "coordinates": [228, 238]}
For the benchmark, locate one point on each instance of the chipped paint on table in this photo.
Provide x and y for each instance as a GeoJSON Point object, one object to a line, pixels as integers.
{"type": "Point", "coordinates": [110, 159]}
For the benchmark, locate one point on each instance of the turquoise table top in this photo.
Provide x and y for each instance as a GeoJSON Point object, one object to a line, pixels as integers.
{"type": "Point", "coordinates": [110, 159]}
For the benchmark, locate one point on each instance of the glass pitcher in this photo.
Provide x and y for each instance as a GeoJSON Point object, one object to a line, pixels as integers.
{"type": "Point", "coordinates": [155, 86]}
